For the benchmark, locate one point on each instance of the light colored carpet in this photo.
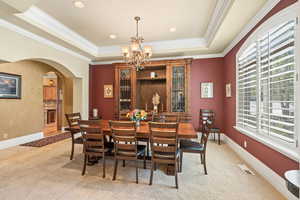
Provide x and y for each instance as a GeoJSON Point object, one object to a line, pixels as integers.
{"type": "Point", "coordinates": [46, 173]}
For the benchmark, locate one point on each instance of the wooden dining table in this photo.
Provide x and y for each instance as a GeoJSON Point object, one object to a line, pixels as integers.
{"type": "Point", "coordinates": [185, 130]}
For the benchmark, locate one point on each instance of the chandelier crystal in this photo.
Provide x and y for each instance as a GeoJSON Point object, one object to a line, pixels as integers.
{"type": "Point", "coordinates": [136, 53]}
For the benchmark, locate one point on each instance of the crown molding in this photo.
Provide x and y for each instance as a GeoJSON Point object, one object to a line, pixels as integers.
{"type": "Point", "coordinates": [39, 18]}
{"type": "Point", "coordinates": [218, 16]}
{"type": "Point", "coordinates": [47, 23]}
{"type": "Point", "coordinates": [253, 22]}
{"type": "Point", "coordinates": [164, 46]}
{"type": "Point", "coordinates": [202, 56]}
{"type": "Point", "coordinates": [40, 39]}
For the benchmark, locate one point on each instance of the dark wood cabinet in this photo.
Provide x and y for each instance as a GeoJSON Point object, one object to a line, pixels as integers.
{"type": "Point", "coordinates": [169, 78]}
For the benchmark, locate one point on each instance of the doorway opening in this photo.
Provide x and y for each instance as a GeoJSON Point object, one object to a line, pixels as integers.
{"type": "Point", "coordinates": [52, 103]}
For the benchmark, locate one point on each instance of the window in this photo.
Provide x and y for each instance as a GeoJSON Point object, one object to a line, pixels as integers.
{"type": "Point", "coordinates": [266, 77]}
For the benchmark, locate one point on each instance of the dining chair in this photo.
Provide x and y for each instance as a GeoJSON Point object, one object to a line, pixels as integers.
{"type": "Point", "coordinates": [126, 145]}
{"type": "Point", "coordinates": [72, 120]}
{"type": "Point", "coordinates": [184, 118]}
{"type": "Point", "coordinates": [164, 146]}
{"type": "Point", "coordinates": [207, 115]}
{"type": "Point", "coordinates": [165, 117]}
{"type": "Point", "coordinates": [189, 146]}
{"type": "Point", "coordinates": [93, 142]}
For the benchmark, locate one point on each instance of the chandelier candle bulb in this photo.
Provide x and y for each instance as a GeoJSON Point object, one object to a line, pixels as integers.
{"type": "Point", "coordinates": [134, 46]}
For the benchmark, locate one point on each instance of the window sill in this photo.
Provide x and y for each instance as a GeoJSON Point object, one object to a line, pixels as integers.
{"type": "Point", "coordinates": [290, 153]}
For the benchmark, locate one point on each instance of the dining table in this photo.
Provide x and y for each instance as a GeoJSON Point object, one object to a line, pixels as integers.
{"type": "Point", "coordinates": [185, 130]}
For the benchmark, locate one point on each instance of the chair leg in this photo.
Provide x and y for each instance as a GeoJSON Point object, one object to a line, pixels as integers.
{"type": "Point", "coordinates": [151, 174]}
{"type": "Point", "coordinates": [144, 160]}
{"type": "Point", "coordinates": [115, 170]}
{"type": "Point", "coordinates": [204, 164]}
{"type": "Point", "coordinates": [181, 157]}
{"type": "Point", "coordinates": [201, 158]}
{"type": "Point", "coordinates": [103, 166]}
{"type": "Point", "coordinates": [148, 149]}
{"type": "Point", "coordinates": [123, 163]}
{"type": "Point", "coordinates": [84, 165]}
{"type": "Point", "coordinates": [219, 138]}
{"type": "Point", "coordinates": [136, 172]}
{"type": "Point", "coordinates": [176, 174]}
{"type": "Point", "coordinates": [72, 150]}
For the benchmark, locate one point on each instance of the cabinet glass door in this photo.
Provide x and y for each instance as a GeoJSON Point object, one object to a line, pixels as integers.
{"type": "Point", "coordinates": [125, 89]}
{"type": "Point", "coordinates": [178, 89]}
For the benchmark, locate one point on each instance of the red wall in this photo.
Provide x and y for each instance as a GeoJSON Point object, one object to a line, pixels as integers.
{"type": "Point", "coordinates": [99, 76]}
{"type": "Point", "coordinates": [276, 161]}
{"type": "Point", "coordinates": [202, 70]}
{"type": "Point", "coordinates": [207, 70]}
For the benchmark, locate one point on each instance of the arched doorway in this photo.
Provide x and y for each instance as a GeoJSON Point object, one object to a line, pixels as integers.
{"type": "Point", "coordinates": [52, 103]}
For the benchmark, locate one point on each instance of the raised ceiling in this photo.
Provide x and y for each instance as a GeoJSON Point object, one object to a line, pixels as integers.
{"type": "Point", "coordinates": [202, 26]}
{"type": "Point", "coordinates": [100, 18]}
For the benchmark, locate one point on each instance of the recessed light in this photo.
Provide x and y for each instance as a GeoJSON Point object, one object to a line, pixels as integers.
{"type": "Point", "coordinates": [78, 4]}
{"type": "Point", "coordinates": [173, 29]}
{"type": "Point", "coordinates": [112, 36]}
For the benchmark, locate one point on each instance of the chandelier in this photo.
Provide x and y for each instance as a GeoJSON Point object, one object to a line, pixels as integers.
{"type": "Point", "coordinates": [137, 54]}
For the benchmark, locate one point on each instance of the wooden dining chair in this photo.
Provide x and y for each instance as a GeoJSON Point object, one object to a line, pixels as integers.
{"type": "Point", "coordinates": [72, 120]}
{"type": "Point", "coordinates": [189, 146]}
{"type": "Point", "coordinates": [126, 145]}
{"type": "Point", "coordinates": [184, 118]}
{"type": "Point", "coordinates": [208, 116]}
{"type": "Point", "coordinates": [165, 117]}
{"type": "Point", "coordinates": [93, 142]}
{"type": "Point", "coordinates": [164, 146]}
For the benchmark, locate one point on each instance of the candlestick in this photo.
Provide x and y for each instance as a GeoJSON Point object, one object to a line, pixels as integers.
{"type": "Point", "coordinates": [146, 107]}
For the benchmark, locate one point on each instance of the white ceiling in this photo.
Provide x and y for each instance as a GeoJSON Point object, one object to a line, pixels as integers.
{"type": "Point", "coordinates": [100, 18]}
{"type": "Point", "coordinates": [202, 26]}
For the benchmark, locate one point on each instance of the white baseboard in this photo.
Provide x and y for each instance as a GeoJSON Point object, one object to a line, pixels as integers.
{"type": "Point", "coordinates": [274, 179]}
{"type": "Point", "coordinates": [20, 140]}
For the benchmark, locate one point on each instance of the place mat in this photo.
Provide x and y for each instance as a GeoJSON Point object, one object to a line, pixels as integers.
{"type": "Point", "coordinates": [48, 140]}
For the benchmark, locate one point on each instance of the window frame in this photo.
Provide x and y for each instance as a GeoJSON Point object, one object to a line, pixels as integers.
{"type": "Point", "coordinates": [289, 149]}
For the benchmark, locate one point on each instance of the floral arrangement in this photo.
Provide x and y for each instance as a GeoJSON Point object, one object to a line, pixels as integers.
{"type": "Point", "coordinates": [137, 115]}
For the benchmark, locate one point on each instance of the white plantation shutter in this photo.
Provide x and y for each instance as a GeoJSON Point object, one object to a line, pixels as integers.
{"type": "Point", "coordinates": [247, 84]}
{"type": "Point", "coordinates": [266, 72]}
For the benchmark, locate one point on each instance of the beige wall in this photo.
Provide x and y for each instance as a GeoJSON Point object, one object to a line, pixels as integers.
{"type": "Point", "coordinates": [15, 47]}
{"type": "Point", "coordinates": [19, 117]}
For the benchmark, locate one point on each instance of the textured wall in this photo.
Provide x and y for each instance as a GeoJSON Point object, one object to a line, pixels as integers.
{"type": "Point", "coordinates": [24, 116]}
{"type": "Point", "coordinates": [19, 117]}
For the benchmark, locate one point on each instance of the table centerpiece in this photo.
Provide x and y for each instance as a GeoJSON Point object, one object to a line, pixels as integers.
{"type": "Point", "coordinates": [137, 116]}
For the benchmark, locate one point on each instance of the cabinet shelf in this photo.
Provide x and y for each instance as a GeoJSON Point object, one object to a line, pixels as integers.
{"type": "Point", "coordinates": [125, 100]}
{"type": "Point", "coordinates": [151, 79]}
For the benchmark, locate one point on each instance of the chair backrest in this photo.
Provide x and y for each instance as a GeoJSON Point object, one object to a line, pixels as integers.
{"type": "Point", "coordinates": [206, 116]}
{"type": "Point", "coordinates": [124, 136]}
{"type": "Point", "coordinates": [93, 137]}
{"type": "Point", "coordinates": [205, 134]}
{"type": "Point", "coordinates": [164, 141]}
{"type": "Point", "coordinates": [184, 117]}
{"type": "Point", "coordinates": [73, 119]}
{"type": "Point", "coordinates": [165, 117]}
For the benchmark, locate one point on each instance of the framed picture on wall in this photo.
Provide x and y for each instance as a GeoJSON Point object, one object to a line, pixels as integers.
{"type": "Point", "coordinates": [207, 90]}
{"type": "Point", "coordinates": [228, 90]}
{"type": "Point", "coordinates": [10, 86]}
{"type": "Point", "coordinates": [108, 91]}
